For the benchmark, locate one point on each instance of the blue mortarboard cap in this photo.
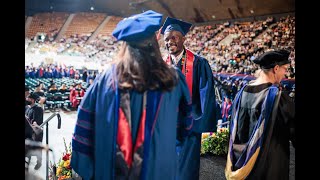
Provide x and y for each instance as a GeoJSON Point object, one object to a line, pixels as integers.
{"type": "Point", "coordinates": [172, 24]}
{"type": "Point", "coordinates": [138, 27]}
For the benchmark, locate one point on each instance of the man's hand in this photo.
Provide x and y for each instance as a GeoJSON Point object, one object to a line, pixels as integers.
{"type": "Point", "coordinates": [42, 100]}
{"type": "Point", "coordinates": [36, 128]}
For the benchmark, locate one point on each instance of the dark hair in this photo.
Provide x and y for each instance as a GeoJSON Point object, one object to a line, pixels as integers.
{"type": "Point", "coordinates": [33, 96]}
{"type": "Point", "coordinates": [141, 67]}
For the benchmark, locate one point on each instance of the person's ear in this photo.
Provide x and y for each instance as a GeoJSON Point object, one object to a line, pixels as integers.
{"type": "Point", "coordinates": [183, 39]}
{"type": "Point", "coordinates": [276, 68]}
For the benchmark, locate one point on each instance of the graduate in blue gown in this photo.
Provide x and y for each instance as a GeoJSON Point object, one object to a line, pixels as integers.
{"type": "Point", "coordinates": [226, 108]}
{"type": "Point", "coordinates": [200, 83]}
{"type": "Point", "coordinates": [130, 117]}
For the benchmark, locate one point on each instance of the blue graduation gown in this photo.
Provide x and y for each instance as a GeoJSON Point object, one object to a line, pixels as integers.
{"type": "Point", "coordinates": [94, 139]}
{"type": "Point", "coordinates": [225, 110]}
{"type": "Point", "coordinates": [88, 78]}
{"type": "Point", "coordinates": [31, 74]}
{"type": "Point", "coordinates": [205, 118]}
{"type": "Point", "coordinates": [203, 96]}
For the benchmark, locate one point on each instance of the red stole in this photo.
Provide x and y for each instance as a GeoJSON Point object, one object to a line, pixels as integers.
{"type": "Point", "coordinates": [225, 109]}
{"type": "Point", "coordinates": [124, 138]}
{"type": "Point", "coordinates": [40, 72]}
{"type": "Point", "coordinates": [187, 67]}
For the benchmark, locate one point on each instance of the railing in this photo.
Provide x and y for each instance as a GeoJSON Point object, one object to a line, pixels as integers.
{"type": "Point", "coordinates": [38, 145]}
{"type": "Point", "coordinates": [46, 122]}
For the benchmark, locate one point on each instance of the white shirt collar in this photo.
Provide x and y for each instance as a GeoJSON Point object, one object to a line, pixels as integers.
{"type": "Point", "coordinates": [176, 59]}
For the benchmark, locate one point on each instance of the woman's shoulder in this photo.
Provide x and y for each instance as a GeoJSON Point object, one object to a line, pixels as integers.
{"type": "Point", "coordinates": [254, 87]}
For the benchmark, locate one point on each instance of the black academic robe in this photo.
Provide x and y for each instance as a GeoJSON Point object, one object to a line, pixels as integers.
{"type": "Point", "coordinates": [35, 113]}
{"type": "Point", "coordinates": [27, 130]}
{"type": "Point", "coordinates": [274, 157]}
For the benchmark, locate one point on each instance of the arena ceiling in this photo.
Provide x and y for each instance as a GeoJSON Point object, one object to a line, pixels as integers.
{"type": "Point", "coordinates": [196, 11]}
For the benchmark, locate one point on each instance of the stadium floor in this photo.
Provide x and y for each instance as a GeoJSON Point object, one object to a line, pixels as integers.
{"type": "Point", "coordinates": [211, 167]}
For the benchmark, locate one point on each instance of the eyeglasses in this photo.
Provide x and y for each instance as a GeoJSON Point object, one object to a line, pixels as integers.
{"type": "Point", "coordinates": [287, 68]}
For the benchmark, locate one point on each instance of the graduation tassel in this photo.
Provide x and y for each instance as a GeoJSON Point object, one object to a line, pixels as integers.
{"type": "Point", "coordinates": [159, 33]}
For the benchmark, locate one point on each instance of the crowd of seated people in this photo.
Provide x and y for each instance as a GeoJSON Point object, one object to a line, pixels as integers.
{"type": "Point", "coordinates": [229, 84]}
{"type": "Point", "coordinates": [58, 90]}
{"type": "Point", "coordinates": [248, 40]}
{"type": "Point", "coordinates": [50, 71]}
{"type": "Point", "coordinates": [57, 71]}
{"type": "Point", "coordinates": [55, 97]}
{"type": "Point", "coordinates": [102, 48]}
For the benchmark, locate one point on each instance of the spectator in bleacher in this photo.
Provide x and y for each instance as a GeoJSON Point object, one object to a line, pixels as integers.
{"type": "Point", "coordinates": [40, 72]}
{"type": "Point", "coordinates": [43, 87]}
{"type": "Point", "coordinates": [40, 93]}
{"type": "Point", "coordinates": [63, 88]}
{"type": "Point", "coordinates": [48, 73]}
{"type": "Point", "coordinates": [26, 72]}
{"type": "Point", "coordinates": [89, 83]}
{"type": "Point", "coordinates": [80, 87]}
{"type": "Point", "coordinates": [263, 123]}
{"type": "Point", "coordinates": [94, 75]}
{"type": "Point", "coordinates": [226, 108]}
{"type": "Point", "coordinates": [63, 72]}
{"type": "Point", "coordinates": [71, 86]}
{"type": "Point", "coordinates": [84, 75]}
{"type": "Point", "coordinates": [59, 72]}
{"type": "Point", "coordinates": [51, 81]}
{"type": "Point", "coordinates": [55, 72]}
{"type": "Point", "coordinates": [77, 75]}
{"type": "Point", "coordinates": [32, 73]}
{"type": "Point", "coordinates": [76, 95]}
{"type": "Point", "coordinates": [90, 76]}
{"type": "Point", "coordinates": [71, 72]}
{"type": "Point", "coordinates": [292, 93]}
{"type": "Point", "coordinates": [199, 78]}
{"type": "Point", "coordinates": [145, 134]}
{"type": "Point", "coordinates": [53, 89]}
{"type": "Point", "coordinates": [67, 72]}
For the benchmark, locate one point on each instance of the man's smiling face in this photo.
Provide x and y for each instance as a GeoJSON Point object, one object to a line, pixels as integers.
{"type": "Point", "coordinates": [174, 42]}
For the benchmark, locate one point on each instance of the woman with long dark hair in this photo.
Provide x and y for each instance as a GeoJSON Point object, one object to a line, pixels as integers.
{"type": "Point", "coordinates": [140, 67]}
{"type": "Point", "coordinates": [130, 117]}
